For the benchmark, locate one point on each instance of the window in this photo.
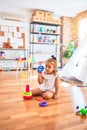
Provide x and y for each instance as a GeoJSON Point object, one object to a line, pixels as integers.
{"type": "Point", "coordinates": [82, 29]}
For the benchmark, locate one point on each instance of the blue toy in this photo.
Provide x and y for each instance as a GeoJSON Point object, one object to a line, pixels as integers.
{"type": "Point", "coordinates": [40, 68]}
{"type": "Point", "coordinates": [43, 104]}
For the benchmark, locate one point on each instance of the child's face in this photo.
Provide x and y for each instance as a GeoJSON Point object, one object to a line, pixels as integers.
{"type": "Point", "coordinates": [49, 68]}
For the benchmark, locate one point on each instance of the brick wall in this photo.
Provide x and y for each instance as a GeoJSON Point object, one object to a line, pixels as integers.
{"type": "Point", "coordinates": [66, 29]}
{"type": "Point", "coordinates": [70, 27]}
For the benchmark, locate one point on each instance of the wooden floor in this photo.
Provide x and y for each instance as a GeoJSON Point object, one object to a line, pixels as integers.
{"type": "Point", "coordinates": [19, 114]}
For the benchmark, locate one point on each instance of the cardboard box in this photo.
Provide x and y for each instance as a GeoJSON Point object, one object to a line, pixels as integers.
{"type": "Point", "coordinates": [48, 15]}
{"type": "Point", "coordinates": [50, 20]}
{"type": "Point", "coordinates": [38, 14]}
{"type": "Point", "coordinates": [34, 18]}
{"type": "Point", "coordinates": [43, 20]}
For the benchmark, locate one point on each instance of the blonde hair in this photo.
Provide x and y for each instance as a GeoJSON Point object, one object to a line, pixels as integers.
{"type": "Point", "coordinates": [54, 63]}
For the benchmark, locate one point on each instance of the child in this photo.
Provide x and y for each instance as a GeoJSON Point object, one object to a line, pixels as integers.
{"type": "Point", "coordinates": [48, 80]}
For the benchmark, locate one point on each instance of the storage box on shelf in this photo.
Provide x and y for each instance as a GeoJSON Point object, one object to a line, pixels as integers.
{"type": "Point", "coordinates": [35, 18]}
{"type": "Point", "coordinates": [48, 15]}
{"type": "Point", "coordinates": [38, 13]}
{"type": "Point", "coordinates": [44, 16]}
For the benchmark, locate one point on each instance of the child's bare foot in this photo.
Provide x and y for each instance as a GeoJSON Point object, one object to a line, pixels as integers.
{"type": "Point", "coordinates": [56, 96]}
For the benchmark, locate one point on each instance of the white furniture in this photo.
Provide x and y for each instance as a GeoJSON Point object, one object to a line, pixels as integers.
{"type": "Point", "coordinates": [45, 41]}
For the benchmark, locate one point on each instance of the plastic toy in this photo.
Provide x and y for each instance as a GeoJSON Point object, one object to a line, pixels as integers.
{"type": "Point", "coordinates": [82, 111]}
{"type": "Point", "coordinates": [33, 60]}
{"type": "Point", "coordinates": [43, 104]}
{"type": "Point", "coordinates": [2, 54]}
{"type": "Point", "coordinates": [40, 68]}
{"type": "Point", "coordinates": [39, 99]}
{"type": "Point", "coordinates": [21, 59]}
{"type": "Point", "coordinates": [28, 93]}
{"type": "Point", "coordinates": [24, 74]}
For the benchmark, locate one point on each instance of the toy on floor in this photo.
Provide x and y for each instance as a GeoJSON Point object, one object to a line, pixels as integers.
{"type": "Point", "coordinates": [40, 68]}
{"type": "Point", "coordinates": [82, 111]}
{"type": "Point", "coordinates": [28, 93]}
{"type": "Point", "coordinates": [24, 74]}
{"type": "Point", "coordinates": [39, 99]}
{"type": "Point", "coordinates": [43, 104]}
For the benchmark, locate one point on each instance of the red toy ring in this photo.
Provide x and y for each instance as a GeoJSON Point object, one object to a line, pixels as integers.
{"type": "Point", "coordinates": [43, 104]}
{"type": "Point", "coordinates": [27, 97]}
{"type": "Point", "coordinates": [39, 99]}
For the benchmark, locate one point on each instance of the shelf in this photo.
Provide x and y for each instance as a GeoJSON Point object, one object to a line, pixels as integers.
{"type": "Point", "coordinates": [43, 43]}
{"type": "Point", "coordinates": [7, 59]}
{"type": "Point", "coordinates": [45, 33]}
{"type": "Point", "coordinates": [13, 68]}
{"type": "Point", "coordinates": [12, 49]}
{"type": "Point", "coordinates": [50, 24]}
{"type": "Point", "coordinates": [42, 53]}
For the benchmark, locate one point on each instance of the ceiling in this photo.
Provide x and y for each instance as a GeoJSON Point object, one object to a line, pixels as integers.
{"type": "Point", "coordinates": [59, 7]}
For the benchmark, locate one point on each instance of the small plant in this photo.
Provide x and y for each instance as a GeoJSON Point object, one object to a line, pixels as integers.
{"type": "Point", "coordinates": [69, 50]}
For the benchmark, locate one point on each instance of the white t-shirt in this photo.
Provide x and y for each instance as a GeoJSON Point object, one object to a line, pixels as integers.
{"type": "Point", "coordinates": [48, 83]}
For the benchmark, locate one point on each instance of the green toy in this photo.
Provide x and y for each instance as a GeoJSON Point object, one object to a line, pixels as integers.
{"type": "Point", "coordinates": [33, 60]}
{"type": "Point", "coordinates": [82, 111]}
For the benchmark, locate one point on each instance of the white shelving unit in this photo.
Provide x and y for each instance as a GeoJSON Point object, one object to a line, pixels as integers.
{"type": "Point", "coordinates": [9, 61]}
{"type": "Point", "coordinates": [45, 41]}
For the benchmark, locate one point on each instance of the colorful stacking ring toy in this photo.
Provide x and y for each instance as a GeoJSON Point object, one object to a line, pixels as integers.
{"type": "Point", "coordinates": [28, 93]}
{"type": "Point", "coordinates": [43, 104]}
{"type": "Point", "coordinates": [39, 99]}
{"type": "Point", "coordinates": [27, 97]}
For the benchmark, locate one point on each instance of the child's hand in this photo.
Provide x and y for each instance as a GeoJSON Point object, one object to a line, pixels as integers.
{"type": "Point", "coordinates": [56, 96]}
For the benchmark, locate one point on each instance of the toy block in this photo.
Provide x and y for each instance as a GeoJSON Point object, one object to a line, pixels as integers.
{"type": "Point", "coordinates": [1, 33]}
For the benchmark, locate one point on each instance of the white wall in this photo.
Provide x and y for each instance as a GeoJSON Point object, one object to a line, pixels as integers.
{"type": "Point", "coordinates": [24, 24]}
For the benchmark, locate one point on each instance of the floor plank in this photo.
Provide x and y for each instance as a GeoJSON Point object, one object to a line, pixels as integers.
{"type": "Point", "coordinates": [19, 114]}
